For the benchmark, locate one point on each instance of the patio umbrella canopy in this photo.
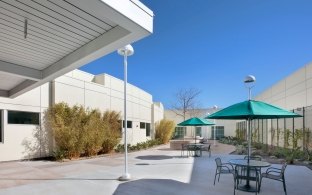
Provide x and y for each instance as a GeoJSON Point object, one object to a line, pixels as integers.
{"type": "Point", "coordinates": [250, 110]}
{"type": "Point", "coordinates": [195, 121]}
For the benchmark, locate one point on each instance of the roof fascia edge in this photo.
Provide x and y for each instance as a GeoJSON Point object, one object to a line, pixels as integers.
{"type": "Point", "coordinates": [20, 71]}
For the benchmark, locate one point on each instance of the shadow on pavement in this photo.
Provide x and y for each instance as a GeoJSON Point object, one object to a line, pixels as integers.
{"type": "Point", "coordinates": [154, 157]}
{"type": "Point", "coordinates": [154, 186]}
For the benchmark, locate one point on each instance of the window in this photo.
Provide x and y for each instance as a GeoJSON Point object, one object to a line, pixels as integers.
{"type": "Point", "coordinates": [198, 131]}
{"type": "Point", "coordinates": [129, 124]}
{"type": "Point", "coordinates": [142, 125]}
{"type": "Point", "coordinates": [219, 132]}
{"type": "Point", "coordinates": [17, 117]}
{"type": "Point", "coordinates": [148, 129]}
{"type": "Point", "coordinates": [179, 132]}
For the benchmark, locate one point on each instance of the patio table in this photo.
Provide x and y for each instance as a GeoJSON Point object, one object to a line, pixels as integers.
{"type": "Point", "coordinates": [197, 148]}
{"type": "Point", "coordinates": [251, 164]}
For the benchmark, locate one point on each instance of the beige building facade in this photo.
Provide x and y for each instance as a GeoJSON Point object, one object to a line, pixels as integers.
{"type": "Point", "coordinates": [223, 127]}
{"type": "Point", "coordinates": [22, 118]}
{"type": "Point", "coordinates": [293, 92]}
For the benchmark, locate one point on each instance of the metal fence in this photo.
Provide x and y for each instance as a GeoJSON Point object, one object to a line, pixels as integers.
{"type": "Point", "coordinates": [285, 132]}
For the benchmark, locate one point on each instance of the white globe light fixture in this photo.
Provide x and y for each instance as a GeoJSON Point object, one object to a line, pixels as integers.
{"type": "Point", "coordinates": [125, 52]}
{"type": "Point", "coordinates": [249, 82]}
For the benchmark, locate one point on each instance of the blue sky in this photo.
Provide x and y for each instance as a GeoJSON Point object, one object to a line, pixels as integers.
{"type": "Point", "coordinates": [212, 45]}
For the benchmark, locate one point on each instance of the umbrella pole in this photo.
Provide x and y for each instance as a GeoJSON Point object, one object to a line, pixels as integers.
{"type": "Point", "coordinates": [195, 134]}
{"type": "Point", "coordinates": [249, 140]}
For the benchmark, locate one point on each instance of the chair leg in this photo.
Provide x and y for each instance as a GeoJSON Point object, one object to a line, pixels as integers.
{"type": "Point", "coordinates": [219, 177]}
{"type": "Point", "coordinates": [215, 178]}
{"type": "Point", "coordinates": [260, 182]}
{"type": "Point", "coordinates": [235, 184]}
{"type": "Point", "coordinates": [284, 186]}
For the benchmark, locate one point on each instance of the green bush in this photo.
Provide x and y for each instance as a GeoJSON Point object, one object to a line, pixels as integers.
{"type": "Point", "coordinates": [164, 130]}
{"type": "Point", "coordinates": [138, 146]}
{"type": "Point", "coordinates": [280, 152]}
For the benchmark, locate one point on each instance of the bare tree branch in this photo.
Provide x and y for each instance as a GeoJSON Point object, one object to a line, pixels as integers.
{"type": "Point", "coordinates": [185, 101]}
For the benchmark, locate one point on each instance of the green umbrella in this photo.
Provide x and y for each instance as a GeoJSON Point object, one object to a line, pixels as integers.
{"type": "Point", "coordinates": [196, 122]}
{"type": "Point", "coordinates": [250, 110]}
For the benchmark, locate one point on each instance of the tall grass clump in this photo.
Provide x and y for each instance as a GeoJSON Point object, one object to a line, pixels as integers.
{"type": "Point", "coordinates": [164, 130]}
{"type": "Point", "coordinates": [94, 133]}
{"type": "Point", "coordinates": [79, 132]}
{"type": "Point", "coordinates": [67, 129]}
{"type": "Point", "coordinates": [112, 130]}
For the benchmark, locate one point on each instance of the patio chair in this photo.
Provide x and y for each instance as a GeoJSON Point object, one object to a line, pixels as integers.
{"type": "Point", "coordinates": [209, 150]}
{"type": "Point", "coordinates": [275, 174]}
{"type": "Point", "coordinates": [252, 172]}
{"type": "Point", "coordinates": [184, 148]}
{"type": "Point", "coordinates": [240, 174]}
{"type": "Point", "coordinates": [222, 168]}
{"type": "Point", "coordinates": [254, 158]}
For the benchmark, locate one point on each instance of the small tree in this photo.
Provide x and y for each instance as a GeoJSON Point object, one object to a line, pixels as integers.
{"type": "Point", "coordinates": [185, 102]}
{"type": "Point", "coordinates": [272, 136]}
{"type": "Point", "coordinates": [164, 130]}
{"type": "Point", "coordinates": [287, 137]}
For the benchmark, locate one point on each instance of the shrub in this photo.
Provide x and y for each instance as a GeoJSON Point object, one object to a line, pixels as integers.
{"type": "Point", "coordinates": [112, 130]}
{"type": "Point", "coordinates": [66, 124]}
{"type": "Point", "coordinates": [94, 133]}
{"type": "Point", "coordinates": [79, 132]}
{"type": "Point", "coordinates": [138, 146]}
{"type": "Point", "coordinates": [164, 130]}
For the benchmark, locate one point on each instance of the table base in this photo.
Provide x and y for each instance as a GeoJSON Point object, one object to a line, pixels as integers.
{"type": "Point", "coordinates": [247, 188]}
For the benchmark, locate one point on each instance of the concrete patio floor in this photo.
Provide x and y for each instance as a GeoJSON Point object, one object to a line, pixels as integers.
{"type": "Point", "coordinates": [154, 171]}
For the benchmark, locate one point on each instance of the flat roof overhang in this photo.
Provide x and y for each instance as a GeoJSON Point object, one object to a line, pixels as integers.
{"type": "Point", "coordinates": [62, 35]}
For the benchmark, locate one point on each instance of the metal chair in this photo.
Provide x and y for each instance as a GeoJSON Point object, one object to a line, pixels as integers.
{"type": "Point", "coordinates": [240, 174]}
{"type": "Point", "coordinates": [184, 148]}
{"type": "Point", "coordinates": [275, 174]}
{"type": "Point", "coordinates": [222, 168]}
{"type": "Point", "coordinates": [209, 150]}
{"type": "Point", "coordinates": [253, 158]}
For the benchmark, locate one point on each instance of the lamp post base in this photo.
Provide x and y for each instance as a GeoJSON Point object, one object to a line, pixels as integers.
{"type": "Point", "coordinates": [125, 177]}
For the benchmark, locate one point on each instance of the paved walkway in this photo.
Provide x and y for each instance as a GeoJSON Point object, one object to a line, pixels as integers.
{"type": "Point", "coordinates": [154, 171]}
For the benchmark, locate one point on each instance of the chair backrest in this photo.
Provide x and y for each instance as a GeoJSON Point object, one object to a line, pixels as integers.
{"type": "Point", "coordinates": [218, 162]}
{"type": "Point", "coordinates": [241, 173]}
{"type": "Point", "coordinates": [283, 169]}
{"type": "Point", "coordinates": [254, 158]}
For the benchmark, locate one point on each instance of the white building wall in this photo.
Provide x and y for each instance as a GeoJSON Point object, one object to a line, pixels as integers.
{"type": "Point", "coordinates": [292, 92]}
{"type": "Point", "coordinates": [229, 125]}
{"type": "Point", "coordinates": [21, 141]}
{"type": "Point", "coordinates": [157, 116]}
